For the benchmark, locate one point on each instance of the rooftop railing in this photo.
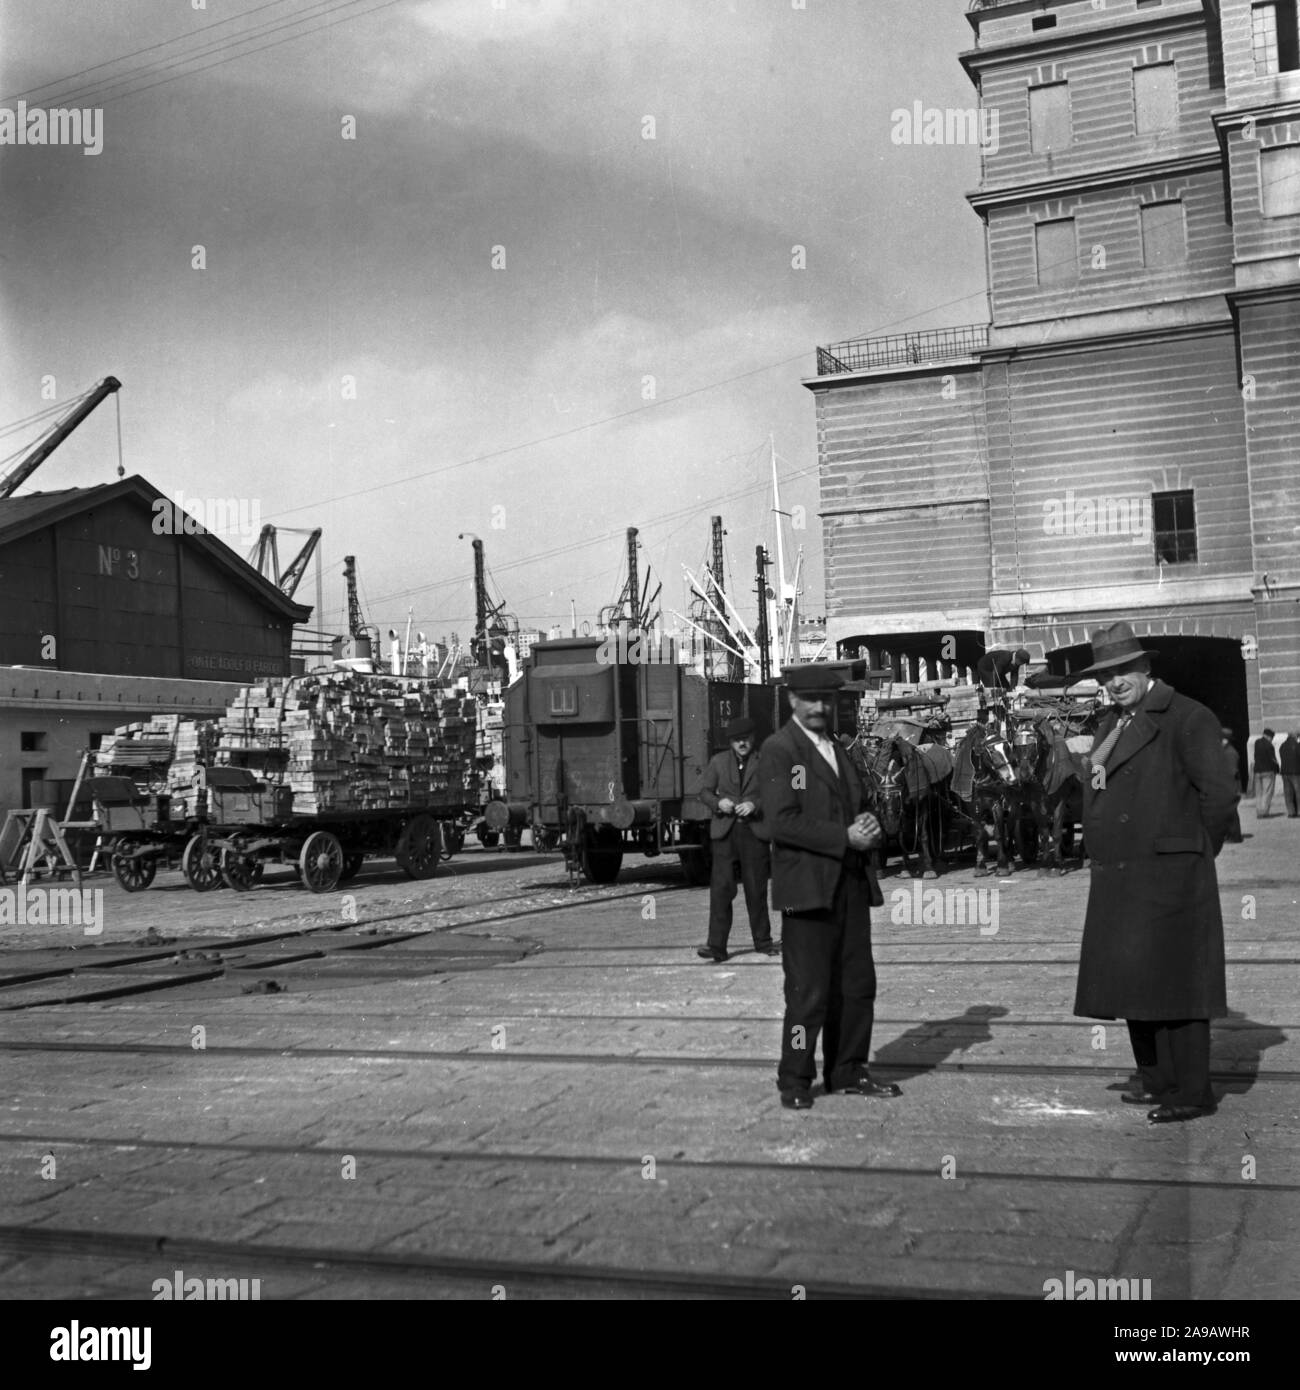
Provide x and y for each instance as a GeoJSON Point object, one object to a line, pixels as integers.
{"type": "Point", "coordinates": [902, 349]}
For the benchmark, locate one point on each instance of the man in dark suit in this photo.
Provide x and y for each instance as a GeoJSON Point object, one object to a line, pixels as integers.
{"type": "Point", "coordinates": [1289, 763]}
{"type": "Point", "coordinates": [1265, 765]}
{"type": "Point", "coordinates": [730, 791]}
{"type": "Point", "coordinates": [813, 810]}
{"type": "Point", "coordinates": [1157, 805]}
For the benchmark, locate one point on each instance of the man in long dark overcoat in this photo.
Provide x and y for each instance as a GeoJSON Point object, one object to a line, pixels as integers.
{"type": "Point", "coordinates": [730, 790]}
{"type": "Point", "coordinates": [814, 810]}
{"type": "Point", "coordinates": [1156, 809]}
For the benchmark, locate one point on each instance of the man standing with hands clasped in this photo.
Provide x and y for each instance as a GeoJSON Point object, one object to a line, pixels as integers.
{"type": "Point", "coordinates": [730, 791]}
{"type": "Point", "coordinates": [813, 810]}
{"type": "Point", "coordinates": [1156, 808]}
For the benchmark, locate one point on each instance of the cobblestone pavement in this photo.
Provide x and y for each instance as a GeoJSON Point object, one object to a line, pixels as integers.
{"type": "Point", "coordinates": [494, 1081]}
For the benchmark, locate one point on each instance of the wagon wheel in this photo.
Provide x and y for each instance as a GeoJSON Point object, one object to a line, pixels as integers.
{"type": "Point", "coordinates": [321, 861]}
{"type": "Point", "coordinates": [420, 847]}
{"type": "Point", "coordinates": [133, 874]}
{"type": "Point", "coordinates": [240, 871]}
{"type": "Point", "coordinates": [201, 864]}
{"type": "Point", "coordinates": [602, 855]}
{"type": "Point", "coordinates": [544, 839]}
{"type": "Point", "coordinates": [352, 862]}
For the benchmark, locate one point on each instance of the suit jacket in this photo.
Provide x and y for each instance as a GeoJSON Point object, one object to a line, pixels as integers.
{"type": "Point", "coordinates": [722, 778]}
{"type": "Point", "coordinates": [807, 811]}
{"type": "Point", "coordinates": [1153, 935]}
{"type": "Point", "coordinates": [1265, 755]}
{"type": "Point", "coordinates": [1289, 755]}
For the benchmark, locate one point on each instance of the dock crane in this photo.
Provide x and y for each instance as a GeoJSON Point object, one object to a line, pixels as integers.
{"type": "Point", "coordinates": [265, 558]}
{"type": "Point", "coordinates": [56, 434]}
{"type": "Point", "coordinates": [365, 636]}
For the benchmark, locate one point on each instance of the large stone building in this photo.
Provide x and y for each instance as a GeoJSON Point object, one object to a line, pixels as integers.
{"type": "Point", "coordinates": [1121, 440]}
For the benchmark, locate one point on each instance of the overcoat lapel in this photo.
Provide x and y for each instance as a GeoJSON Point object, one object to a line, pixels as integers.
{"type": "Point", "coordinates": [1142, 729]}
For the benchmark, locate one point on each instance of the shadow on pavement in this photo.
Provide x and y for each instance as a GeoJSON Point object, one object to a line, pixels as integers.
{"type": "Point", "coordinates": [924, 1047]}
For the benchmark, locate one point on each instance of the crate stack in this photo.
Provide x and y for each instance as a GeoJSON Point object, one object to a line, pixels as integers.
{"type": "Point", "coordinates": [348, 741]}
{"type": "Point", "coordinates": [134, 749]}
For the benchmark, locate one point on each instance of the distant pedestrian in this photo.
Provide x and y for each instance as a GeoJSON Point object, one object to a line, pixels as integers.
{"type": "Point", "coordinates": [1232, 761]}
{"type": "Point", "coordinates": [1289, 763]}
{"type": "Point", "coordinates": [814, 809]}
{"type": "Point", "coordinates": [1156, 808]}
{"type": "Point", "coordinates": [1265, 764]}
{"type": "Point", "coordinates": [730, 791]}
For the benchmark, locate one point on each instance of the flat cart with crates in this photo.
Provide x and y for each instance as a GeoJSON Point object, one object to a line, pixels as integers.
{"type": "Point", "coordinates": [319, 771]}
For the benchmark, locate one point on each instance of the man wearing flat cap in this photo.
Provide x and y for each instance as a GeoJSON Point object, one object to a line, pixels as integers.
{"type": "Point", "coordinates": [730, 791]}
{"type": "Point", "coordinates": [814, 810]}
{"type": "Point", "coordinates": [1157, 806]}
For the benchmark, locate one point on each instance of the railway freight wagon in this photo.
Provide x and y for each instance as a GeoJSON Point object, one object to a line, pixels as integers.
{"type": "Point", "coordinates": [603, 756]}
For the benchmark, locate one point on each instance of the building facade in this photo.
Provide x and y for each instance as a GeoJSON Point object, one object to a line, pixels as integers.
{"type": "Point", "coordinates": [1120, 442]}
{"type": "Point", "coordinates": [113, 608]}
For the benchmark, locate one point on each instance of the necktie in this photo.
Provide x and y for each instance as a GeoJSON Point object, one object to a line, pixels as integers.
{"type": "Point", "coordinates": [1106, 747]}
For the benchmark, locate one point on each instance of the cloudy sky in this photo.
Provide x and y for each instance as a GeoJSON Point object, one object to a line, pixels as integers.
{"type": "Point", "coordinates": [350, 356]}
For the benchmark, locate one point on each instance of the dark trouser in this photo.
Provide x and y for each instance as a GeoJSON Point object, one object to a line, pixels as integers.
{"type": "Point", "coordinates": [1234, 829]}
{"type": "Point", "coordinates": [741, 851]}
{"type": "Point", "coordinates": [1291, 790]}
{"type": "Point", "coordinates": [830, 988]}
{"type": "Point", "coordinates": [1173, 1056]}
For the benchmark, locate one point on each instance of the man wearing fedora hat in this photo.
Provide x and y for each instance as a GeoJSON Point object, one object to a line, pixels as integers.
{"type": "Point", "coordinates": [1157, 806]}
{"type": "Point", "coordinates": [730, 791]}
{"type": "Point", "coordinates": [814, 810]}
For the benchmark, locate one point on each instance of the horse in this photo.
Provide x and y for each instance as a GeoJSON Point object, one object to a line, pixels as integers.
{"type": "Point", "coordinates": [985, 780]}
{"type": "Point", "coordinates": [906, 785]}
{"type": "Point", "coordinates": [1047, 749]}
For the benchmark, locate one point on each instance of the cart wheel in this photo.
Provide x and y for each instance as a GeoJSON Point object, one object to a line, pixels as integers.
{"type": "Point", "coordinates": [239, 871]}
{"type": "Point", "coordinates": [201, 865]}
{"type": "Point", "coordinates": [351, 866]}
{"type": "Point", "coordinates": [544, 839]}
{"type": "Point", "coordinates": [134, 874]}
{"type": "Point", "coordinates": [321, 861]}
{"type": "Point", "coordinates": [420, 847]}
{"type": "Point", "coordinates": [602, 855]}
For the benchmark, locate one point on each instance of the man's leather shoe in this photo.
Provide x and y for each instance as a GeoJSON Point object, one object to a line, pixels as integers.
{"type": "Point", "coordinates": [769, 948]}
{"type": "Point", "coordinates": [796, 1100]}
{"type": "Point", "coordinates": [1172, 1114]}
{"type": "Point", "coordinates": [712, 953]}
{"type": "Point", "coordinates": [1140, 1098]}
{"type": "Point", "coordinates": [865, 1086]}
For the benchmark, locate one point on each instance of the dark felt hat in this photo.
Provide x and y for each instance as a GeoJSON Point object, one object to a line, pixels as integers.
{"type": "Point", "coordinates": [1113, 646]}
{"type": "Point", "coordinates": [812, 679]}
{"type": "Point", "coordinates": [741, 728]}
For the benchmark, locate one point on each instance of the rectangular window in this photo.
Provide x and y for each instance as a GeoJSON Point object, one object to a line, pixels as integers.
{"type": "Point", "coordinates": [29, 742]}
{"type": "Point", "coordinates": [1279, 181]}
{"type": "Point", "coordinates": [1173, 519]}
{"type": "Point", "coordinates": [1057, 251]}
{"type": "Point", "coordinates": [1049, 117]}
{"type": "Point", "coordinates": [564, 699]}
{"type": "Point", "coordinates": [1155, 98]}
{"type": "Point", "coordinates": [1275, 37]}
{"type": "Point", "coordinates": [1164, 237]}
{"type": "Point", "coordinates": [1043, 21]}
{"type": "Point", "coordinates": [1148, 4]}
